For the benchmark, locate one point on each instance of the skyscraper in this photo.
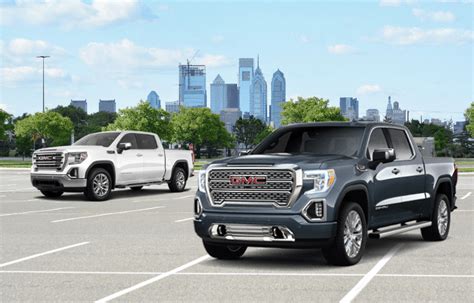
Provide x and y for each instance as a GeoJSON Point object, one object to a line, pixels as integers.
{"type": "Point", "coordinates": [399, 116]}
{"type": "Point", "coordinates": [172, 107]}
{"type": "Point", "coordinates": [245, 82]}
{"type": "Point", "coordinates": [107, 106]}
{"type": "Point", "coordinates": [229, 116]}
{"type": "Point", "coordinates": [192, 85]}
{"type": "Point", "coordinates": [278, 97]}
{"type": "Point", "coordinates": [372, 114]}
{"type": "Point", "coordinates": [218, 95]}
{"type": "Point", "coordinates": [389, 111]}
{"type": "Point", "coordinates": [154, 100]}
{"type": "Point", "coordinates": [258, 95]}
{"type": "Point", "coordinates": [232, 94]}
{"type": "Point", "coordinates": [82, 104]}
{"type": "Point", "coordinates": [349, 107]}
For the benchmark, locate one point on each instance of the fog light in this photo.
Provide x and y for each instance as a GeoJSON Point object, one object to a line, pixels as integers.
{"type": "Point", "coordinates": [197, 208]}
{"type": "Point", "coordinates": [221, 230]}
{"type": "Point", "coordinates": [314, 210]}
{"type": "Point", "coordinates": [73, 173]}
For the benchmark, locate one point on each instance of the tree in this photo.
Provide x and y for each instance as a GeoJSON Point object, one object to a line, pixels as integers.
{"type": "Point", "coordinates": [78, 117]}
{"type": "Point", "coordinates": [263, 134]}
{"type": "Point", "coordinates": [469, 114]}
{"type": "Point", "coordinates": [5, 123]}
{"type": "Point", "coordinates": [145, 118]}
{"type": "Point", "coordinates": [311, 109]}
{"type": "Point", "coordinates": [50, 126]}
{"type": "Point", "coordinates": [200, 127]}
{"type": "Point", "coordinates": [247, 131]}
{"type": "Point", "coordinates": [97, 121]}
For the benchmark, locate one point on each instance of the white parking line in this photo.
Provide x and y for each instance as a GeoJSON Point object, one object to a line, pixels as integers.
{"type": "Point", "coordinates": [35, 211]}
{"type": "Point", "coordinates": [152, 280]}
{"type": "Point", "coordinates": [370, 275]}
{"type": "Point", "coordinates": [42, 254]}
{"type": "Point", "coordinates": [184, 197]}
{"type": "Point", "coordinates": [9, 184]}
{"type": "Point", "coordinates": [183, 220]}
{"type": "Point", "coordinates": [466, 195]}
{"type": "Point", "coordinates": [106, 214]}
{"type": "Point", "coordinates": [463, 210]}
{"type": "Point", "coordinates": [18, 190]}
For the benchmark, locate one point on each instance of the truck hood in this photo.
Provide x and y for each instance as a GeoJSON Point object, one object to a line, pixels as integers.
{"type": "Point", "coordinates": [72, 148]}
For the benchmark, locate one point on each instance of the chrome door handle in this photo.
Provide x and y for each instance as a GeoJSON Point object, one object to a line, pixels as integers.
{"type": "Point", "coordinates": [160, 155]}
{"type": "Point", "coordinates": [395, 171]}
{"type": "Point", "coordinates": [139, 155]}
{"type": "Point", "coordinates": [419, 169]}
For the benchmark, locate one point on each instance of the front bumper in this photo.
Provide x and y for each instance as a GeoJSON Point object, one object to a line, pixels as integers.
{"type": "Point", "coordinates": [58, 182]}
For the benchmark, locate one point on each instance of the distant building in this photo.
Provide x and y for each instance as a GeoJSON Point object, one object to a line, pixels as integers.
{"type": "Point", "coordinates": [154, 100]}
{"type": "Point", "coordinates": [232, 93]}
{"type": "Point", "coordinates": [458, 127]}
{"type": "Point", "coordinates": [389, 110]}
{"type": "Point", "coordinates": [172, 107]}
{"type": "Point", "coordinates": [278, 97]}
{"type": "Point", "coordinates": [107, 106]}
{"type": "Point", "coordinates": [438, 122]}
{"type": "Point", "coordinates": [399, 116]}
{"type": "Point", "coordinates": [426, 145]}
{"type": "Point", "coordinates": [258, 95]}
{"type": "Point", "coordinates": [192, 85]}
{"type": "Point", "coordinates": [218, 95]}
{"type": "Point", "coordinates": [372, 114]}
{"type": "Point", "coordinates": [229, 116]}
{"type": "Point", "coordinates": [245, 82]}
{"type": "Point", "coordinates": [349, 107]}
{"type": "Point", "coordinates": [82, 104]}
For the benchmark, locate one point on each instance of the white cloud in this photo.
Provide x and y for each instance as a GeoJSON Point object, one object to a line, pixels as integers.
{"type": "Point", "coordinates": [436, 16]}
{"type": "Point", "coordinates": [369, 89]}
{"type": "Point", "coordinates": [28, 73]}
{"type": "Point", "coordinates": [340, 49]}
{"type": "Point", "coordinates": [395, 2]}
{"type": "Point", "coordinates": [413, 35]}
{"type": "Point", "coordinates": [304, 39]}
{"type": "Point", "coordinates": [74, 13]}
{"type": "Point", "coordinates": [126, 55]}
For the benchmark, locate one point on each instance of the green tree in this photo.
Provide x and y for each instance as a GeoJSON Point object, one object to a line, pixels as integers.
{"type": "Point", "coordinates": [99, 120]}
{"type": "Point", "coordinates": [143, 117]}
{"type": "Point", "coordinates": [311, 109]}
{"type": "Point", "coordinates": [5, 123]}
{"type": "Point", "coordinates": [247, 131]}
{"type": "Point", "coordinates": [78, 117]}
{"type": "Point", "coordinates": [263, 134]}
{"type": "Point", "coordinates": [50, 126]}
{"type": "Point", "coordinates": [200, 127]}
{"type": "Point", "coordinates": [469, 114]}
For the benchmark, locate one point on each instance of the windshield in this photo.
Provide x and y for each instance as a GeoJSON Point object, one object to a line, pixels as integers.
{"type": "Point", "coordinates": [314, 140]}
{"type": "Point", "coordinates": [98, 139]}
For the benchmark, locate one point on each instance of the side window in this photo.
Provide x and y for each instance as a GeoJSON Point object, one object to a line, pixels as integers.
{"type": "Point", "coordinates": [377, 141]}
{"type": "Point", "coordinates": [130, 138]}
{"type": "Point", "coordinates": [401, 144]}
{"type": "Point", "coordinates": [146, 141]}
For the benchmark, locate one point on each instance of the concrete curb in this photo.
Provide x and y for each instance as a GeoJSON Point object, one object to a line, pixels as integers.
{"type": "Point", "coordinates": [15, 168]}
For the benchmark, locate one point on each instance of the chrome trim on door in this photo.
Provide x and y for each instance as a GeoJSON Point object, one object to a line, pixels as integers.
{"type": "Point", "coordinates": [403, 199]}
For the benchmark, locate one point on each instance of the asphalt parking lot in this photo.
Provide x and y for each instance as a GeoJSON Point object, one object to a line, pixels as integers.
{"type": "Point", "coordinates": [141, 247]}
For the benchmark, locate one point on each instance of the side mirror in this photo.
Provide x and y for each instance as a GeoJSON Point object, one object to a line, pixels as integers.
{"type": "Point", "coordinates": [123, 146]}
{"type": "Point", "coordinates": [245, 152]}
{"type": "Point", "coordinates": [384, 155]}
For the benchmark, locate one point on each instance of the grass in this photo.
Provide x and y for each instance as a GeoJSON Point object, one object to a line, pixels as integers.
{"type": "Point", "coordinates": [466, 169]}
{"type": "Point", "coordinates": [15, 163]}
{"type": "Point", "coordinates": [465, 162]}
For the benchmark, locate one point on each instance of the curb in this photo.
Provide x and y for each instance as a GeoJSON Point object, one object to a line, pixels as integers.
{"type": "Point", "coordinates": [15, 168]}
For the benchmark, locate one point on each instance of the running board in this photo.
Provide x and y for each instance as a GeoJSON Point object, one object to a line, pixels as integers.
{"type": "Point", "coordinates": [398, 229]}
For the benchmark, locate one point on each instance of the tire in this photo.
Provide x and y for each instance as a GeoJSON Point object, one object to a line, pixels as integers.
{"type": "Point", "coordinates": [52, 193]}
{"type": "Point", "coordinates": [178, 180]}
{"type": "Point", "coordinates": [440, 220]}
{"type": "Point", "coordinates": [136, 188]}
{"type": "Point", "coordinates": [99, 185]}
{"type": "Point", "coordinates": [224, 252]}
{"type": "Point", "coordinates": [351, 224]}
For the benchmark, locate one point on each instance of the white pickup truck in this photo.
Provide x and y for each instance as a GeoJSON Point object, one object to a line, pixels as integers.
{"type": "Point", "coordinates": [100, 162]}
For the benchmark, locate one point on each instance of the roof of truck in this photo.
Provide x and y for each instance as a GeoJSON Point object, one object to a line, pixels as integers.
{"type": "Point", "coordinates": [345, 124]}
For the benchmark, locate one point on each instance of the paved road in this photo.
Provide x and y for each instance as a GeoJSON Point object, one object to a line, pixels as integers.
{"type": "Point", "coordinates": [141, 247]}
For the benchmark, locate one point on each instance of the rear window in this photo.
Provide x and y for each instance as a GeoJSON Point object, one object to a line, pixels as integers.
{"type": "Point", "coordinates": [146, 141]}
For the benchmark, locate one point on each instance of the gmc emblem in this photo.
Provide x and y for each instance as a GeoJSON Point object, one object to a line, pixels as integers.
{"type": "Point", "coordinates": [248, 180]}
{"type": "Point", "coordinates": [45, 158]}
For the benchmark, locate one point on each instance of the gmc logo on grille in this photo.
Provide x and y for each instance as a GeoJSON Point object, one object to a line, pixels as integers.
{"type": "Point", "coordinates": [45, 158]}
{"type": "Point", "coordinates": [248, 180]}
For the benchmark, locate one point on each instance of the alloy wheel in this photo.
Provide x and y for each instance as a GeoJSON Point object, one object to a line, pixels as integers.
{"type": "Point", "coordinates": [352, 234]}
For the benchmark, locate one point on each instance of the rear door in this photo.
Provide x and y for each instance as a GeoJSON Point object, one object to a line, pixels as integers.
{"type": "Point", "coordinates": [129, 163]}
{"type": "Point", "coordinates": [153, 157]}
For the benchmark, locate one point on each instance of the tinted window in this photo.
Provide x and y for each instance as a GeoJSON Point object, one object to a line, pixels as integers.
{"type": "Point", "coordinates": [146, 141]}
{"type": "Point", "coordinates": [130, 138]}
{"type": "Point", "coordinates": [315, 140]}
{"type": "Point", "coordinates": [98, 139]}
{"type": "Point", "coordinates": [400, 143]}
{"type": "Point", "coordinates": [377, 141]}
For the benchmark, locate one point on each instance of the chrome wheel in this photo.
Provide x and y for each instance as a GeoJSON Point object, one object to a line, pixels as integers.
{"type": "Point", "coordinates": [100, 184]}
{"type": "Point", "coordinates": [352, 234]}
{"type": "Point", "coordinates": [180, 180]}
{"type": "Point", "coordinates": [442, 217]}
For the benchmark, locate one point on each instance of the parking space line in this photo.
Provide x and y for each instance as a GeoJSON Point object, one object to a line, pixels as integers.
{"type": "Point", "coordinates": [35, 211]}
{"type": "Point", "coordinates": [42, 254]}
{"type": "Point", "coordinates": [466, 195]}
{"type": "Point", "coordinates": [183, 220]}
{"type": "Point", "coordinates": [18, 190]}
{"type": "Point", "coordinates": [179, 198]}
{"type": "Point", "coordinates": [9, 184]}
{"type": "Point", "coordinates": [152, 280]}
{"type": "Point", "coordinates": [370, 275]}
{"type": "Point", "coordinates": [463, 210]}
{"type": "Point", "coordinates": [106, 214]}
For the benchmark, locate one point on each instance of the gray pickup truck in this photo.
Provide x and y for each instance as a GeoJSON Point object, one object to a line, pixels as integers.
{"type": "Point", "coordinates": [327, 185]}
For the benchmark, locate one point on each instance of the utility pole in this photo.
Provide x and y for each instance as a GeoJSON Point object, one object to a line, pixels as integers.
{"type": "Point", "coordinates": [43, 57]}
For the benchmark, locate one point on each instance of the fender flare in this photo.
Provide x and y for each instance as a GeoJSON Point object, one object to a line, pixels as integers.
{"type": "Point", "coordinates": [443, 179]}
{"type": "Point", "coordinates": [108, 162]}
{"type": "Point", "coordinates": [179, 162]}
{"type": "Point", "coordinates": [349, 188]}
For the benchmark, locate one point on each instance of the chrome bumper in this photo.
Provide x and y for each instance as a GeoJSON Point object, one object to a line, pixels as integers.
{"type": "Point", "coordinates": [249, 232]}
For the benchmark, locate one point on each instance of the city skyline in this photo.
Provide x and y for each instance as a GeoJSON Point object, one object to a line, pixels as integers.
{"type": "Point", "coordinates": [420, 62]}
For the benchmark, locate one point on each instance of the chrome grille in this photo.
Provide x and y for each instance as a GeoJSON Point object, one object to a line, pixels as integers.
{"type": "Point", "coordinates": [278, 188]}
{"type": "Point", "coordinates": [49, 160]}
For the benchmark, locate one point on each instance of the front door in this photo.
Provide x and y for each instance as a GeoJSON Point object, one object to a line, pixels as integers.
{"type": "Point", "coordinates": [129, 164]}
{"type": "Point", "coordinates": [153, 158]}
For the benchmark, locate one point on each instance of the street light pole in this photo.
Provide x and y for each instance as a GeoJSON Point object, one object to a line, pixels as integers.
{"type": "Point", "coordinates": [43, 57]}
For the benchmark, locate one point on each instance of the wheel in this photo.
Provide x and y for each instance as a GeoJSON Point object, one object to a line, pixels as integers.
{"type": "Point", "coordinates": [52, 193]}
{"type": "Point", "coordinates": [178, 180]}
{"type": "Point", "coordinates": [351, 237]}
{"type": "Point", "coordinates": [99, 185]}
{"type": "Point", "coordinates": [440, 220]}
{"type": "Point", "coordinates": [136, 188]}
{"type": "Point", "coordinates": [225, 252]}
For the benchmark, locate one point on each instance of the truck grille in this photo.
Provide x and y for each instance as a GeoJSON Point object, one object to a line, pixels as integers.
{"type": "Point", "coordinates": [50, 160]}
{"type": "Point", "coordinates": [252, 186]}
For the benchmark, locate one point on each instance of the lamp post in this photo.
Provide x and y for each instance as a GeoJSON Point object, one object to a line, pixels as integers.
{"type": "Point", "coordinates": [43, 57]}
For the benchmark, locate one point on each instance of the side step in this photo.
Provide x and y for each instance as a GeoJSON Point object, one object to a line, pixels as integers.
{"type": "Point", "coordinates": [398, 229]}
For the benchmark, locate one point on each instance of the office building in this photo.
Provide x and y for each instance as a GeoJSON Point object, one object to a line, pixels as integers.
{"type": "Point", "coordinates": [372, 114]}
{"type": "Point", "coordinates": [154, 100]}
{"type": "Point", "coordinates": [82, 104]}
{"type": "Point", "coordinates": [258, 95]}
{"type": "Point", "coordinates": [192, 85]}
{"type": "Point", "coordinates": [172, 107]}
{"type": "Point", "coordinates": [107, 106]}
{"type": "Point", "coordinates": [229, 116]}
{"type": "Point", "coordinates": [245, 82]}
{"type": "Point", "coordinates": [389, 110]}
{"type": "Point", "coordinates": [278, 97]}
{"type": "Point", "coordinates": [349, 107]}
{"type": "Point", "coordinates": [458, 127]}
{"type": "Point", "coordinates": [232, 95]}
{"type": "Point", "coordinates": [218, 95]}
{"type": "Point", "coordinates": [395, 114]}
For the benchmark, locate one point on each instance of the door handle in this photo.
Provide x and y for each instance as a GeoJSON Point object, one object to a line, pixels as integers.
{"type": "Point", "coordinates": [139, 155]}
{"type": "Point", "coordinates": [160, 155]}
{"type": "Point", "coordinates": [395, 171]}
{"type": "Point", "coordinates": [419, 169]}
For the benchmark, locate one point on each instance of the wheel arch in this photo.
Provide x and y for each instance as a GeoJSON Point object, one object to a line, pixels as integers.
{"type": "Point", "coordinates": [184, 165]}
{"type": "Point", "coordinates": [105, 164]}
{"type": "Point", "coordinates": [444, 185]}
{"type": "Point", "coordinates": [357, 193]}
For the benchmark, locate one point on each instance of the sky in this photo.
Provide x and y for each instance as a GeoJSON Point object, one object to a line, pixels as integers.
{"type": "Point", "coordinates": [419, 52]}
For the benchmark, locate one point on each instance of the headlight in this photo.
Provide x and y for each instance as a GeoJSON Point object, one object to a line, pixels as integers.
{"type": "Point", "coordinates": [76, 158]}
{"type": "Point", "coordinates": [323, 179]}
{"type": "Point", "coordinates": [202, 181]}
